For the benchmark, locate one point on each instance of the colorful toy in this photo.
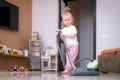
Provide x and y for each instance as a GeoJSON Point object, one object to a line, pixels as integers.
{"type": "Point", "coordinates": [15, 68]}
{"type": "Point", "coordinates": [10, 51]}
{"type": "Point", "coordinates": [93, 65]}
{"type": "Point", "coordinates": [22, 69]}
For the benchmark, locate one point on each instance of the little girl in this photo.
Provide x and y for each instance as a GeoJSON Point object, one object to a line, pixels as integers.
{"type": "Point", "coordinates": [70, 34]}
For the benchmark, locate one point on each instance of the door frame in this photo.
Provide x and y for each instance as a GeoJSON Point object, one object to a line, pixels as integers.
{"type": "Point", "coordinates": [94, 25]}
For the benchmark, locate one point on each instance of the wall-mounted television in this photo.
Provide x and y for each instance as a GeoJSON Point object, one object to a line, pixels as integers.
{"type": "Point", "coordinates": [9, 16]}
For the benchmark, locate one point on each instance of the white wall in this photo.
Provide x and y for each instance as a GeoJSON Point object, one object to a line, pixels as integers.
{"type": "Point", "coordinates": [108, 24]}
{"type": "Point", "coordinates": [45, 20]}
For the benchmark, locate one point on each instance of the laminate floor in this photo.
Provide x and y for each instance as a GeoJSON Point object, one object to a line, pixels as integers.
{"type": "Point", "coordinates": [39, 75]}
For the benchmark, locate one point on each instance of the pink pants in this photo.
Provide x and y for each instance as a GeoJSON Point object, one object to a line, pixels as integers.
{"type": "Point", "coordinates": [74, 53]}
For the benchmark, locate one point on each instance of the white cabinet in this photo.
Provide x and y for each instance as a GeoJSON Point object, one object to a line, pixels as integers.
{"type": "Point", "coordinates": [35, 54]}
{"type": "Point", "coordinates": [49, 62]}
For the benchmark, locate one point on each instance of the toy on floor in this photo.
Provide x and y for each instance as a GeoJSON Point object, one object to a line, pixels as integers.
{"type": "Point", "coordinates": [22, 69]}
{"type": "Point", "coordinates": [93, 65]}
{"type": "Point", "coordinates": [15, 68]}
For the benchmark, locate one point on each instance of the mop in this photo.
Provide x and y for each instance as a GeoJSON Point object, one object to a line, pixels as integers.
{"type": "Point", "coordinates": [77, 71]}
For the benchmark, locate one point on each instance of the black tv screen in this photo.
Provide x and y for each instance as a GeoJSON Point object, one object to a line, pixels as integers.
{"type": "Point", "coordinates": [4, 16]}
{"type": "Point", "coordinates": [9, 16]}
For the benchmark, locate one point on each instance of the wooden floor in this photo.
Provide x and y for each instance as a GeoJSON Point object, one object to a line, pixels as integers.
{"type": "Point", "coordinates": [38, 75]}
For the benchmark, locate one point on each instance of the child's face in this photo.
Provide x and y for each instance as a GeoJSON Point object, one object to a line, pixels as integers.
{"type": "Point", "coordinates": [67, 20]}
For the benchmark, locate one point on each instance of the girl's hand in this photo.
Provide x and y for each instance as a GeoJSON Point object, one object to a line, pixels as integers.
{"type": "Point", "coordinates": [62, 36]}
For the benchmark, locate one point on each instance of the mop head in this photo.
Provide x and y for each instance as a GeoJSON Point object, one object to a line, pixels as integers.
{"type": "Point", "coordinates": [83, 72]}
{"type": "Point", "coordinates": [93, 65]}
{"type": "Point", "coordinates": [91, 70]}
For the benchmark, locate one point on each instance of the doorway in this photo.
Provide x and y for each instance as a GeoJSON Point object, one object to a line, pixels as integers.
{"type": "Point", "coordinates": [84, 12]}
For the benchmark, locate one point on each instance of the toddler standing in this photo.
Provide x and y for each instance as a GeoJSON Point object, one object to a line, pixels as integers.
{"type": "Point", "coordinates": [70, 34]}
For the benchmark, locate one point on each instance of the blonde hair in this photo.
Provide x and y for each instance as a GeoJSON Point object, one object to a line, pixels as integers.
{"type": "Point", "coordinates": [67, 11]}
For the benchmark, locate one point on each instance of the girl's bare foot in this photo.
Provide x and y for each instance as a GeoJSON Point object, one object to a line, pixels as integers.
{"type": "Point", "coordinates": [64, 72]}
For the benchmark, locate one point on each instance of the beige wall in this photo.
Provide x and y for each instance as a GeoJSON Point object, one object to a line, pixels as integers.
{"type": "Point", "coordinates": [14, 39]}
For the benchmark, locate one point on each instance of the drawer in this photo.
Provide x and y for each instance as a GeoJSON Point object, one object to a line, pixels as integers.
{"type": "Point", "coordinates": [35, 60]}
{"type": "Point", "coordinates": [35, 64]}
{"type": "Point", "coordinates": [35, 44]}
{"type": "Point", "coordinates": [35, 49]}
{"type": "Point", "coordinates": [35, 54]}
{"type": "Point", "coordinates": [35, 67]}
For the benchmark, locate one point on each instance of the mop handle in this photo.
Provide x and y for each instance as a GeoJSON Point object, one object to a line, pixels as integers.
{"type": "Point", "coordinates": [58, 47]}
{"type": "Point", "coordinates": [68, 53]}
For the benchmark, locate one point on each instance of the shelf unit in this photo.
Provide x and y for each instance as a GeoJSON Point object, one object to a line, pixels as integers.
{"type": "Point", "coordinates": [35, 54]}
{"type": "Point", "coordinates": [49, 62]}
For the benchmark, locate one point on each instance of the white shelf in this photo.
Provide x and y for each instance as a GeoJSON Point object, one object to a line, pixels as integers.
{"type": "Point", "coordinates": [49, 62]}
